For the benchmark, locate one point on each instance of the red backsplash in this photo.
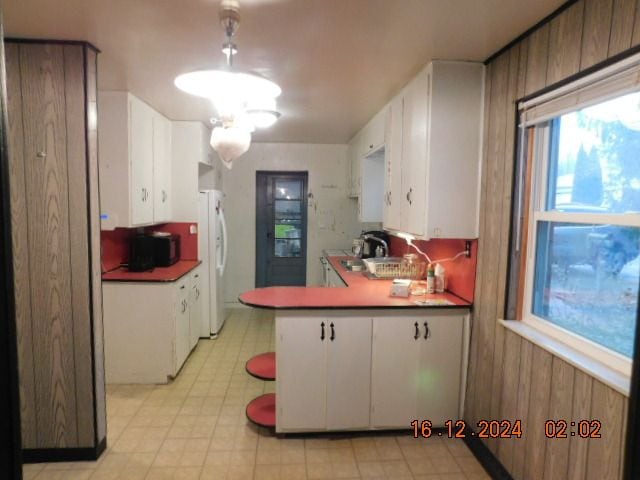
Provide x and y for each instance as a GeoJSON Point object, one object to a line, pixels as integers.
{"type": "Point", "coordinates": [460, 273]}
{"type": "Point", "coordinates": [115, 243]}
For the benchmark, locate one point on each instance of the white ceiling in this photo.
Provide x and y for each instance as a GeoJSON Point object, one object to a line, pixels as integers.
{"type": "Point", "coordinates": [337, 61]}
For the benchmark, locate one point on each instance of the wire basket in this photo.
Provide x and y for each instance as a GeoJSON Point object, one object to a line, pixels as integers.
{"type": "Point", "coordinates": [397, 270]}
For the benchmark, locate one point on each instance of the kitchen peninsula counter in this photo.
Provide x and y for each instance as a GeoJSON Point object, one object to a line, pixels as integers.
{"type": "Point", "coordinates": [359, 293]}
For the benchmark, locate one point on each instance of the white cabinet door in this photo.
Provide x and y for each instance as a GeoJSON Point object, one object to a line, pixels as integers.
{"type": "Point", "coordinates": [195, 308]}
{"type": "Point", "coordinates": [181, 324]}
{"type": "Point", "coordinates": [373, 134]}
{"type": "Point", "coordinates": [414, 154]}
{"type": "Point", "coordinates": [392, 212]}
{"type": "Point", "coordinates": [161, 168]}
{"type": "Point", "coordinates": [348, 373]}
{"type": "Point", "coordinates": [141, 160]}
{"type": "Point", "coordinates": [301, 355]}
{"type": "Point", "coordinates": [394, 372]}
{"type": "Point", "coordinates": [440, 376]}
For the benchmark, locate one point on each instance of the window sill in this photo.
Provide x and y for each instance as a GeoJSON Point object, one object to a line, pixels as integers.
{"type": "Point", "coordinates": [605, 374]}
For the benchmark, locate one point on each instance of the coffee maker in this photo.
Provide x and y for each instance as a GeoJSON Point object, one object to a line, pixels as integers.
{"type": "Point", "coordinates": [375, 243]}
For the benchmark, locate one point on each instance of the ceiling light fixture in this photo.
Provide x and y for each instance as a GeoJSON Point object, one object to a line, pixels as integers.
{"type": "Point", "coordinates": [243, 101]}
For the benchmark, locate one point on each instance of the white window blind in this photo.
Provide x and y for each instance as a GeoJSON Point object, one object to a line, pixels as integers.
{"type": "Point", "coordinates": [615, 80]}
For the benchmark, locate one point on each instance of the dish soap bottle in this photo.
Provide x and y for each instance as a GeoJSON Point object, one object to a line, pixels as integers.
{"type": "Point", "coordinates": [440, 283]}
{"type": "Point", "coordinates": [431, 279]}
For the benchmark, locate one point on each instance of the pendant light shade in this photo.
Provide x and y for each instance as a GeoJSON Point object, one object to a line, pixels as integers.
{"type": "Point", "coordinates": [230, 143]}
{"type": "Point", "coordinates": [221, 83]}
{"type": "Point", "coordinates": [243, 101]}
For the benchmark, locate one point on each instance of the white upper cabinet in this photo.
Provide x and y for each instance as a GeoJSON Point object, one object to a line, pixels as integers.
{"type": "Point", "coordinates": [367, 163]}
{"type": "Point", "coordinates": [135, 157]}
{"type": "Point", "coordinates": [433, 153]}
{"type": "Point", "coordinates": [162, 169]}
{"type": "Point", "coordinates": [190, 148]}
{"type": "Point", "coordinates": [372, 135]}
{"type": "Point", "coordinates": [140, 163]}
{"type": "Point", "coordinates": [414, 154]}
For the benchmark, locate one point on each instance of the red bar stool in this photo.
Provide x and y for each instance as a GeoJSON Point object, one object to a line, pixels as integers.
{"type": "Point", "coordinates": [262, 410]}
{"type": "Point", "coordinates": [262, 366]}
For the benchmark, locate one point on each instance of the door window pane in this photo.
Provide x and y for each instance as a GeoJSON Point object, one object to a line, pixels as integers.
{"type": "Point", "coordinates": [287, 207]}
{"type": "Point", "coordinates": [287, 247]}
{"type": "Point", "coordinates": [288, 189]}
{"type": "Point", "coordinates": [288, 230]}
{"type": "Point", "coordinates": [586, 281]}
{"type": "Point", "coordinates": [594, 162]}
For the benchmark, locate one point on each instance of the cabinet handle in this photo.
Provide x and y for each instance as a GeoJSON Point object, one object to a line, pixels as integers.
{"type": "Point", "coordinates": [41, 154]}
{"type": "Point", "coordinates": [409, 196]}
{"type": "Point", "coordinates": [333, 332]}
{"type": "Point", "coordinates": [184, 306]}
{"type": "Point", "coordinates": [389, 197]}
{"type": "Point", "coordinates": [143, 195]}
{"type": "Point", "coordinates": [197, 294]}
{"type": "Point", "coordinates": [322, 331]}
{"type": "Point", "coordinates": [417, 335]}
{"type": "Point", "coordinates": [427, 332]}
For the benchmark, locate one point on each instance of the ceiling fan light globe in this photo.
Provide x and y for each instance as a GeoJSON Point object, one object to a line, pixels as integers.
{"type": "Point", "coordinates": [230, 143]}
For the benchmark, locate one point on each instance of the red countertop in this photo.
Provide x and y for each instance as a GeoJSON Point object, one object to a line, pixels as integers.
{"type": "Point", "coordinates": [158, 274]}
{"type": "Point", "coordinates": [360, 293]}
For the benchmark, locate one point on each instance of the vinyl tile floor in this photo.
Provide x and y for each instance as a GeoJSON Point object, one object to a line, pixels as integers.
{"type": "Point", "coordinates": [195, 428]}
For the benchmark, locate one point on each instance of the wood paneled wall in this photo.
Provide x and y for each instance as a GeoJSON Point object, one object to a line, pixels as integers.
{"type": "Point", "coordinates": [56, 235]}
{"type": "Point", "coordinates": [509, 377]}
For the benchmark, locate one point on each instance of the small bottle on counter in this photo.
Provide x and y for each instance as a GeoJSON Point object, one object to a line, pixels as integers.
{"type": "Point", "coordinates": [431, 279]}
{"type": "Point", "coordinates": [440, 281]}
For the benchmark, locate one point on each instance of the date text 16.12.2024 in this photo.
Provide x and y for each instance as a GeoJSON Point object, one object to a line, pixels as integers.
{"type": "Point", "coordinates": [505, 429]}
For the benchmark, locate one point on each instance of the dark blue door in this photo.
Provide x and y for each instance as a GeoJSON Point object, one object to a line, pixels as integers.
{"type": "Point", "coordinates": [281, 228]}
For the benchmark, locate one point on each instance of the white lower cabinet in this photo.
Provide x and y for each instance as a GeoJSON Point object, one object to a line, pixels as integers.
{"type": "Point", "coordinates": [181, 343]}
{"type": "Point", "coordinates": [148, 328]}
{"type": "Point", "coordinates": [395, 365]}
{"type": "Point", "coordinates": [417, 369]}
{"type": "Point", "coordinates": [323, 372]}
{"type": "Point", "coordinates": [195, 308]}
{"type": "Point", "coordinates": [350, 370]}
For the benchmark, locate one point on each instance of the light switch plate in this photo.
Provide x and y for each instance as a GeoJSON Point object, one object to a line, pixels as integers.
{"type": "Point", "coordinates": [193, 229]}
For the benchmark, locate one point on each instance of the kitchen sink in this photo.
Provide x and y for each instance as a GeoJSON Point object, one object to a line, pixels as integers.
{"type": "Point", "coordinates": [355, 265]}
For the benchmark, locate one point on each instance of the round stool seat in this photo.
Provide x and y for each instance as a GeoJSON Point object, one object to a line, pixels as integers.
{"type": "Point", "coordinates": [262, 366]}
{"type": "Point", "coordinates": [262, 410]}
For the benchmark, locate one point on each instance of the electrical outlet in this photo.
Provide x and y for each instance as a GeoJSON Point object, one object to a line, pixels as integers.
{"type": "Point", "coordinates": [467, 247]}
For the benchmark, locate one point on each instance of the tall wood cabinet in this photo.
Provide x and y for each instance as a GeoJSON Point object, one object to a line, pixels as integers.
{"type": "Point", "coordinates": [55, 221]}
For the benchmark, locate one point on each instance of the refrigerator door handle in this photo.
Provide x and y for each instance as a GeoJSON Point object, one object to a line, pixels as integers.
{"type": "Point", "coordinates": [223, 226]}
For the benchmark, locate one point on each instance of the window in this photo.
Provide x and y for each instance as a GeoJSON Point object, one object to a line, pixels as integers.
{"type": "Point", "coordinates": [582, 263]}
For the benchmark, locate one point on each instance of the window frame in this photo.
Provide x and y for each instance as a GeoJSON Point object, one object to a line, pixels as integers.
{"type": "Point", "coordinates": [538, 212]}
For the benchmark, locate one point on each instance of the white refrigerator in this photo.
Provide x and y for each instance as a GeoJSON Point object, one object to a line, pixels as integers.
{"type": "Point", "coordinates": [212, 251]}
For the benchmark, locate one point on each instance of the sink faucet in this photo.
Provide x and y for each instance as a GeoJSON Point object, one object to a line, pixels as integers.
{"type": "Point", "coordinates": [368, 236]}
